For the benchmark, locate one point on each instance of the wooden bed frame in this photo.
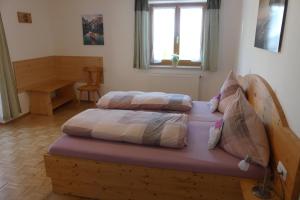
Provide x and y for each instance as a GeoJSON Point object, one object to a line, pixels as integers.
{"type": "Point", "coordinates": [113, 181]}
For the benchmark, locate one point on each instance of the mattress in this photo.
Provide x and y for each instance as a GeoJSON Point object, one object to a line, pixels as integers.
{"type": "Point", "coordinates": [200, 112]}
{"type": "Point", "coordinates": [195, 157]}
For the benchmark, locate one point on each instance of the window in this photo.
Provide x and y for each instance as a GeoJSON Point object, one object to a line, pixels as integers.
{"type": "Point", "coordinates": [176, 29]}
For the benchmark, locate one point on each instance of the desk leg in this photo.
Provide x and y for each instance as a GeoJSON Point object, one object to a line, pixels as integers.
{"type": "Point", "coordinates": [40, 103]}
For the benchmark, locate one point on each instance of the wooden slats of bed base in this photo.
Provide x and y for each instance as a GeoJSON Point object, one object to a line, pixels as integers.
{"type": "Point", "coordinates": [111, 181]}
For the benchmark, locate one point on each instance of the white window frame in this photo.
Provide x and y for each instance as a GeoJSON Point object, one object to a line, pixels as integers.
{"type": "Point", "coordinates": [176, 31]}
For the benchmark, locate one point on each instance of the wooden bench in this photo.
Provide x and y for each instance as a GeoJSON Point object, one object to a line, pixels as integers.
{"type": "Point", "coordinates": [48, 95]}
{"type": "Point", "coordinates": [53, 75]}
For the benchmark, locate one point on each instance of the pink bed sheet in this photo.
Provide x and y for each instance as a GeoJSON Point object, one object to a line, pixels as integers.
{"type": "Point", "coordinates": [200, 112]}
{"type": "Point", "coordinates": [195, 157]}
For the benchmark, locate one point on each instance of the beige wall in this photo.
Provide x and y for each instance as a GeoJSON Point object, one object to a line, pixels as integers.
{"type": "Point", "coordinates": [281, 70]}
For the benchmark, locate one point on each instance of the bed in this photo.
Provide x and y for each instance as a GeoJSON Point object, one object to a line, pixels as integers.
{"type": "Point", "coordinates": [109, 170]}
{"type": "Point", "coordinates": [200, 112]}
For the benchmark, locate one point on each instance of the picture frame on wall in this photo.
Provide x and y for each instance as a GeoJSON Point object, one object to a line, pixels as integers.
{"type": "Point", "coordinates": [24, 17]}
{"type": "Point", "coordinates": [270, 24]}
{"type": "Point", "coordinates": [92, 27]}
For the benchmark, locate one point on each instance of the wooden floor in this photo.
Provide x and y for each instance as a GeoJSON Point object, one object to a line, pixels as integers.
{"type": "Point", "coordinates": [22, 146]}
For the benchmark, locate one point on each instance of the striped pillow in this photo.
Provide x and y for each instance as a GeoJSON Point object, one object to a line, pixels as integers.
{"type": "Point", "coordinates": [230, 86]}
{"type": "Point", "coordinates": [243, 133]}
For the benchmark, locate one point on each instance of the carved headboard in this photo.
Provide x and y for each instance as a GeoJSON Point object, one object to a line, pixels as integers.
{"type": "Point", "coordinates": [285, 145]}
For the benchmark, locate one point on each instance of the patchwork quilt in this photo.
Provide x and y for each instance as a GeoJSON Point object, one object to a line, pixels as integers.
{"type": "Point", "coordinates": [133, 100]}
{"type": "Point", "coordinates": [139, 127]}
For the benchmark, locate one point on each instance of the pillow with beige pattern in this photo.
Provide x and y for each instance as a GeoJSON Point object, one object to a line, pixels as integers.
{"type": "Point", "coordinates": [230, 86]}
{"type": "Point", "coordinates": [214, 103]}
{"type": "Point", "coordinates": [215, 134]}
{"type": "Point", "coordinates": [137, 100]}
{"type": "Point", "coordinates": [243, 132]}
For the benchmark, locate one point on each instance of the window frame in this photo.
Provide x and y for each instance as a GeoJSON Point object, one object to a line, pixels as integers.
{"type": "Point", "coordinates": [176, 31]}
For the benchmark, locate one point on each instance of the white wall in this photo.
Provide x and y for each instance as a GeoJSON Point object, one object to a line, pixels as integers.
{"type": "Point", "coordinates": [280, 70]}
{"type": "Point", "coordinates": [118, 49]}
{"type": "Point", "coordinates": [230, 21]}
{"type": "Point", "coordinates": [27, 41]}
{"type": "Point", "coordinates": [57, 30]}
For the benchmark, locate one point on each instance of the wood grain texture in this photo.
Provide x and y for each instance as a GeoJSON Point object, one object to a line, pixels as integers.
{"type": "Point", "coordinates": [34, 71]}
{"type": "Point", "coordinates": [247, 185]}
{"type": "Point", "coordinates": [284, 143]}
{"type": "Point", "coordinates": [23, 143]}
{"type": "Point", "coordinates": [40, 103]}
{"type": "Point", "coordinates": [113, 181]}
{"type": "Point", "coordinates": [49, 86]}
{"type": "Point", "coordinates": [92, 86]}
{"type": "Point", "coordinates": [41, 100]}
{"type": "Point", "coordinates": [72, 67]}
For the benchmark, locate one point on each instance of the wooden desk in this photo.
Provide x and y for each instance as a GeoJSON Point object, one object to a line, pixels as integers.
{"type": "Point", "coordinates": [47, 96]}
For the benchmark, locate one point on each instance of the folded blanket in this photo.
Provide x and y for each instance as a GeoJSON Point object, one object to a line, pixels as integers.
{"type": "Point", "coordinates": [139, 127]}
{"type": "Point", "coordinates": [145, 100]}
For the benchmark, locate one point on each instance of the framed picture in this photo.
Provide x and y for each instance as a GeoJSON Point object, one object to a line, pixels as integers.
{"type": "Point", "coordinates": [270, 24]}
{"type": "Point", "coordinates": [92, 26]}
{"type": "Point", "coordinates": [24, 17]}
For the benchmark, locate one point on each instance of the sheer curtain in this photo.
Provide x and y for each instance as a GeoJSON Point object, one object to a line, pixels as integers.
{"type": "Point", "coordinates": [141, 36]}
{"type": "Point", "coordinates": [210, 43]}
{"type": "Point", "coordinates": [9, 97]}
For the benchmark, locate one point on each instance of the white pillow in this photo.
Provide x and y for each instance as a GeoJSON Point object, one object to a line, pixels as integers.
{"type": "Point", "coordinates": [215, 134]}
{"type": "Point", "coordinates": [214, 103]}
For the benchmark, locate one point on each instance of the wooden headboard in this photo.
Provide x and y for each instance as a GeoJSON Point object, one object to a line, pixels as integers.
{"type": "Point", "coordinates": [285, 145]}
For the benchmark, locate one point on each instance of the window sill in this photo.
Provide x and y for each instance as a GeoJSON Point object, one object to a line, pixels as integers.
{"type": "Point", "coordinates": [172, 67]}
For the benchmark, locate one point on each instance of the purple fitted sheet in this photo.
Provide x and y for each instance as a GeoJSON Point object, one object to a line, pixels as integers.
{"type": "Point", "coordinates": [200, 112]}
{"type": "Point", "coordinates": [195, 157]}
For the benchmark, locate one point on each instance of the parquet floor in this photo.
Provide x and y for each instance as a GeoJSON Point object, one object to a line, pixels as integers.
{"type": "Point", "coordinates": [22, 146]}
